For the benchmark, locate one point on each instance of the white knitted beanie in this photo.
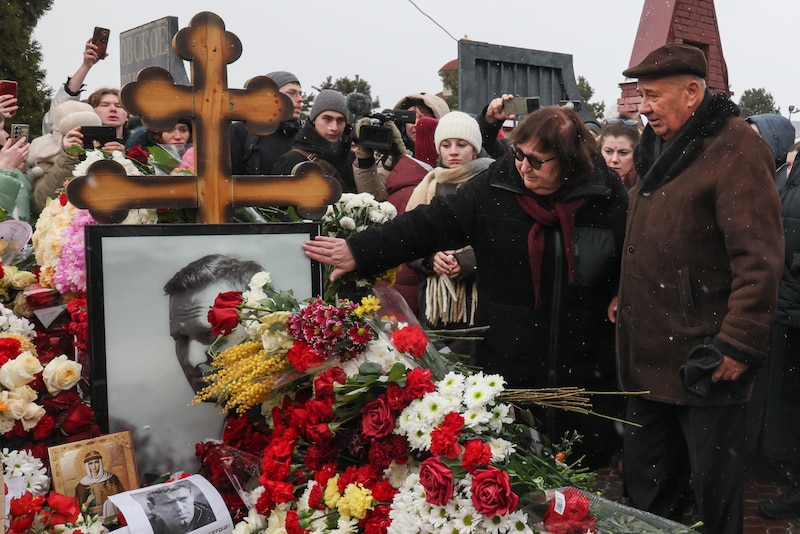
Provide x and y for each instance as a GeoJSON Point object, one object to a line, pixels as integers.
{"type": "Point", "coordinates": [458, 125]}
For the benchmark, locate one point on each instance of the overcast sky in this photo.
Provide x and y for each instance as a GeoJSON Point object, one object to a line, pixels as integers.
{"type": "Point", "coordinates": [399, 50]}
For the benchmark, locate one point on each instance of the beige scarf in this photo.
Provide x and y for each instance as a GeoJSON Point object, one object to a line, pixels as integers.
{"type": "Point", "coordinates": [448, 301]}
{"type": "Point", "coordinates": [426, 189]}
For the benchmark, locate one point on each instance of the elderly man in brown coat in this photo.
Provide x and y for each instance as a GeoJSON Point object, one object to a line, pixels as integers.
{"type": "Point", "coordinates": [701, 264]}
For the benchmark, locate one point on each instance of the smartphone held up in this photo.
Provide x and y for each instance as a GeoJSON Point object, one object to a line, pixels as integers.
{"type": "Point", "coordinates": [100, 38]}
{"type": "Point", "coordinates": [20, 130]}
{"type": "Point", "coordinates": [8, 87]}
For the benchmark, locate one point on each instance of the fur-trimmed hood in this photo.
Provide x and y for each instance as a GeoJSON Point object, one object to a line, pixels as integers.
{"type": "Point", "coordinates": [708, 120]}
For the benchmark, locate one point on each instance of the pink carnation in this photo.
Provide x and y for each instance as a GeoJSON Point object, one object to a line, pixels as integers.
{"type": "Point", "coordinates": [70, 270]}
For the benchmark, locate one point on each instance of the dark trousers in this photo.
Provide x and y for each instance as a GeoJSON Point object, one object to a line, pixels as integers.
{"type": "Point", "coordinates": [676, 442]}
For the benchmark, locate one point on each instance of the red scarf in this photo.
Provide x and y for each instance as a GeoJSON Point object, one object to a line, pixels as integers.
{"type": "Point", "coordinates": [563, 215]}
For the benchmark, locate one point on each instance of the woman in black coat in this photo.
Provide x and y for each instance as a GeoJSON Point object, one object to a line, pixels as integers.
{"type": "Point", "coordinates": [546, 222]}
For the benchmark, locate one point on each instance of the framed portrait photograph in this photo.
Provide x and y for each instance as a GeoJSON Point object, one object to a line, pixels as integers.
{"type": "Point", "coordinates": [93, 469]}
{"type": "Point", "coordinates": [149, 290]}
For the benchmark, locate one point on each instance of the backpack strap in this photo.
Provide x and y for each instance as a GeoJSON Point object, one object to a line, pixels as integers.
{"type": "Point", "coordinates": [327, 168]}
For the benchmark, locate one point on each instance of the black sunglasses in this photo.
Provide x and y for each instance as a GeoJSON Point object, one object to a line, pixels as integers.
{"type": "Point", "coordinates": [626, 122]}
{"type": "Point", "coordinates": [534, 162]}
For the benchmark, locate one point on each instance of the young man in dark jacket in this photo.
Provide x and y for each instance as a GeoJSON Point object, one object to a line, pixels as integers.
{"type": "Point", "coordinates": [256, 154]}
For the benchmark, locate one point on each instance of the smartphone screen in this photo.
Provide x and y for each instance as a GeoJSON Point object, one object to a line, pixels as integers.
{"type": "Point", "coordinates": [100, 38]}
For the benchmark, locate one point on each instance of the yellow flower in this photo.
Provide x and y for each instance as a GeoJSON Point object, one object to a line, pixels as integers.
{"type": "Point", "coordinates": [356, 501]}
{"type": "Point", "coordinates": [332, 494]}
{"type": "Point", "coordinates": [369, 305]}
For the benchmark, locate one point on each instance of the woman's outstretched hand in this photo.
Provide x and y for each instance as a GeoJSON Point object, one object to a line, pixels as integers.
{"type": "Point", "coordinates": [331, 251]}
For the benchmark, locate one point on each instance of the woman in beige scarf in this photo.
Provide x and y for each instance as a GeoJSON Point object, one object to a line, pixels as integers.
{"type": "Point", "coordinates": [448, 294]}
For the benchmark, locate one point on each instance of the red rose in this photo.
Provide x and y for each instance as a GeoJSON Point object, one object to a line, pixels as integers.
{"type": "Point", "coordinates": [224, 314]}
{"type": "Point", "coordinates": [411, 339]}
{"type": "Point", "coordinates": [437, 479]}
{"type": "Point", "coordinates": [65, 509]}
{"type": "Point", "coordinates": [79, 417]}
{"type": "Point", "coordinates": [377, 419]}
{"type": "Point", "coordinates": [491, 492]}
{"type": "Point", "coordinates": [139, 153]}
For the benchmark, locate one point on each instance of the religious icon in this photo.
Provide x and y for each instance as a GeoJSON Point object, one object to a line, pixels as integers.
{"type": "Point", "coordinates": [93, 469]}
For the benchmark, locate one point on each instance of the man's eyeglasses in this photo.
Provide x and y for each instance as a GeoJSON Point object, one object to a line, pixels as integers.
{"type": "Point", "coordinates": [626, 122]}
{"type": "Point", "coordinates": [534, 162]}
{"type": "Point", "coordinates": [292, 93]}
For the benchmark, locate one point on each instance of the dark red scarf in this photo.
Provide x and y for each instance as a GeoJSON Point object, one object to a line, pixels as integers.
{"type": "Point", "coordinates": [562, 215]}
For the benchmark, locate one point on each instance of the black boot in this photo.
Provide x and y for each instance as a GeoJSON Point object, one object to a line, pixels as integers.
{"type": "Point", "coordinates": [785, 506]}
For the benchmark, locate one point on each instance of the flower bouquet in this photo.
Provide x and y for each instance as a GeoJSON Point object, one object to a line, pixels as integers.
{"type": "Point", "coordinates": [357, 434]}
{"type": "Point", "coordinates": [39, 402]}
{"type": "Point", "coordinates": [54, 513]}
{"type": "Point", "coordinates": [351, 214]}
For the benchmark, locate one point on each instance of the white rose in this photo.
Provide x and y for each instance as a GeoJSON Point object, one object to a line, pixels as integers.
{"type": "Point", "coordinates": [25, 393]}
{"type": "Point", "coordinates": [33, 413]}
{"type": "Point", "coordinates": [20, 370]}
{"type": "Point", "coordinates": [348, 223]}
{"type": "Point", "coordinates": [61, 374]}
{"type": "Point", "coordinates": [6, 424]}
{"type": "Point", "coordinates": [260, 279]}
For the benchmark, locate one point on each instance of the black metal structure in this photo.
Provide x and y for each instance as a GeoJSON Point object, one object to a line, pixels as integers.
{"type": "Point", "coordinates": [486, 71]}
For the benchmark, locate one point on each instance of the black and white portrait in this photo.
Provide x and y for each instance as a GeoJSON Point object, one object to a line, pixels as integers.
{"type": "Point", "coordinates": [150, 289]}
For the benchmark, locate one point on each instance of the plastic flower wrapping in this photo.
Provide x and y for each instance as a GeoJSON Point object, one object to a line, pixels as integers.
{"type": "Point", "coordinates": [351, 214]}
{"type": "Point", "coordinates": [346, 420]}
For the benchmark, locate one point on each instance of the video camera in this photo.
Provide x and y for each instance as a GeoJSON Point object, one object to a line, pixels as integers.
{"type": "Point", "coordinates": [377, 135]}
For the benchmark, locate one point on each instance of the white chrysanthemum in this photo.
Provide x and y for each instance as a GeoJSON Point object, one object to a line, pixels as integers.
{"type": "Point", "coordinates": [477, 395]}
{"type": "Point", "coordinates": [379, 351]}
{"type": "Point", "coordinates": [389, 209]}
{"type": "Point", "coordinates": [24, 464]}
{"type": "Point", "coordinates": [141, 216]}
{"type": "Point", "coordinates": [436, 516]}
{"type": "Point", "coordinates": [476, 417]}
{"type": "Point", "coordinates": [501, 415]}
{"type": "Point", "coordinates": [434, 407]}
{"type": "Point", "coordinates": [354, 201]}
{"type": "Point", "coordinates": [9, 322]}
{"type": "Point", "coordinates": [91, 156]}
{"type": "Point", "coordinates": [451, 384]}
{"type": "Point", "coordinates": [396, 474]}
{"type": "Point", "coordinates": [515, 522]}
{"type": "Point", "coordinates": [347, 223]}
{"type": "Point", "coordinates": [465, 518]}
{"type": "Point", "coordinates": [501, 449]}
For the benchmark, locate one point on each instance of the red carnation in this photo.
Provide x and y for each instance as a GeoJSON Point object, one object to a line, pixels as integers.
{"type": "Point", "coordinates": [476, 453]}
{"type": "Point", "coordinates": [419, 381]}
{"type": "Point", "coordinates": [303, 357]}
{"type": "Point", "coordinates": [412, 340]}
{"type": "Point", "coordinates": [9, 349]}
{"type": "Point", "coordinates": [224, 314]}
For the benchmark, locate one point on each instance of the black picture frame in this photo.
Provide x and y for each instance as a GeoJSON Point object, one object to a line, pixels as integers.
{"type": "Point", "coordinates": [137, 383]}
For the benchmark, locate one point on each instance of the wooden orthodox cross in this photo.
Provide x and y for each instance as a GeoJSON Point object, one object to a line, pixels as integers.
{"type": "Point", "coordinates": [108, 193]}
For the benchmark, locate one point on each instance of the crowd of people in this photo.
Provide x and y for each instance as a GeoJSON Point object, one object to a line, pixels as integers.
{"type": "Point", "coordinates": [655, 257]}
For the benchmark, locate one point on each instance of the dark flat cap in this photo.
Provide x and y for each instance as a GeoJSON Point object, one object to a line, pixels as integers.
{"type": "Point", "coordinates": [668, 60]}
